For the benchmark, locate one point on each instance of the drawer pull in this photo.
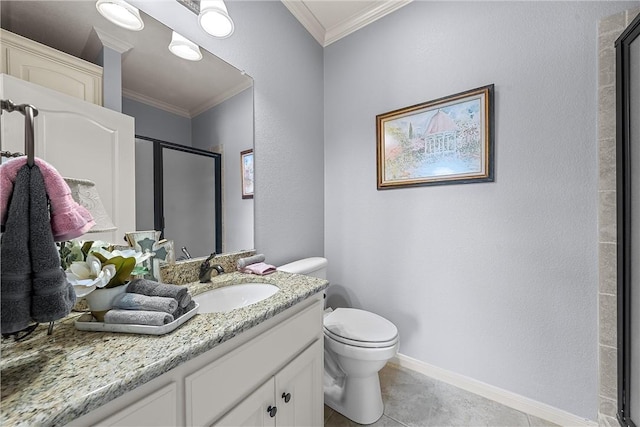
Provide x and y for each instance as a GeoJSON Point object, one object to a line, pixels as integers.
{"type": "Point", "coordinates": [286, 397]}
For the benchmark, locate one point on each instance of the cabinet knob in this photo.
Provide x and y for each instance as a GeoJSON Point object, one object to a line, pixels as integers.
{"type": "Point", "coordinates": [286, 397]}
{"type": "Point", "coordinates": [272, 411]}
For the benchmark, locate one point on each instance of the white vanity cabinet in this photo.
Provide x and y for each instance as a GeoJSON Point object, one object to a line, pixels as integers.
{"type": "Point", "coordinates": [290, 398]}
{"type": "Point", "coordinates": [290, 351]}
{"type": "Point", "coordinates": [277, 363]}
{"type": "Point", "coordinates": [157, 409]}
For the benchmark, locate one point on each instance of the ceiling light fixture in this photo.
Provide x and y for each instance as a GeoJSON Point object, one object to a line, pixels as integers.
{"type": "Point", "coordinates": [184, 48]}
{"type": "Point", "coordinates": [121, 13]}
{"type": "Point", "coordinates": [215, 19]}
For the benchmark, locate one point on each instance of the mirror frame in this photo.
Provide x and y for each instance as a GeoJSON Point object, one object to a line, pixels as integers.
{"type": "Point", "coordinates": [158, 183]}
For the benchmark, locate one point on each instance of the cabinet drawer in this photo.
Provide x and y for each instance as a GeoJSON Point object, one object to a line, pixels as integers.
{"type": "Point", "coordinates": [214, 389]}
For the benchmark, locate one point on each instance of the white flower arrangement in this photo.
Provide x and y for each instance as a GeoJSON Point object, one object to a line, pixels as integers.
{"type": "Point", "coordinates": [91, 265]}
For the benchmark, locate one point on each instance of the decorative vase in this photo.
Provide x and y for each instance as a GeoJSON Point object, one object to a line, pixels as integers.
{"type": "Point", "coordinates": [101, 300]}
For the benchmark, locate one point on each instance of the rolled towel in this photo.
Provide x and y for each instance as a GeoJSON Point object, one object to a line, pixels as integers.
{"type": "Point", "coordinates": [130, 301]}
{"type": "Point", "coordinates": [259, 268]}
{"type": "Point", "coordinates": [137, 317]}
{"type": "Point", "coordinates": [243, 262]}
{"type": "Point", "coordinates": [180, 311]}
{"type": "Point", "coordinates": [155, 289]}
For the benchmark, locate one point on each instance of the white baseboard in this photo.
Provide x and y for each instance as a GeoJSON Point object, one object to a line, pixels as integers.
{"type": "Point", "coordinates": [507, 398]}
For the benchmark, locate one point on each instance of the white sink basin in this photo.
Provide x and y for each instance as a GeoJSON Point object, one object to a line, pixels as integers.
{"type": "Point", "coordinates": [231, 297]}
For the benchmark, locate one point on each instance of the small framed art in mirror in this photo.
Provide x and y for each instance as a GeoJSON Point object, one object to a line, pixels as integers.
{"type": "Point", "coordinates": [246, 166]}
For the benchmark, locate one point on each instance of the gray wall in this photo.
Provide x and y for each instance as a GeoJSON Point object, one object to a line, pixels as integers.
{"type": "Point", "coordinates": [159, 124]}
{"type": "Point", "coordinates": [287, 66]}
{"type": "Point", "coordinates": [494, 281]}
{"type": "Point", "coordinates": [228, 128]}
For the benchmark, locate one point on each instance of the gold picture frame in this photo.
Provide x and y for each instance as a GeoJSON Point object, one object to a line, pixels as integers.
{"type": "Point", "coordinates": [449, 140]}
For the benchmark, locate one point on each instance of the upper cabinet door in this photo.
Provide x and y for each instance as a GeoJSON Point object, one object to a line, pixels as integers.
{"type": "Point", "coordinates": [80, 140]}
{"type": "Point", "coordinates": [36, 63]}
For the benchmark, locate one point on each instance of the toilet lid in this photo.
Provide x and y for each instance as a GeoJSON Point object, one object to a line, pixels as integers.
{"type": "Point", "coordinates": [359, 327]}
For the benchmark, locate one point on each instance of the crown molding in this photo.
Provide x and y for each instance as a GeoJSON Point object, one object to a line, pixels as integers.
{"type": "Point", "coordinates": [112, 42]}
{"type": "Point", "coordinates": [221, 98]}
{"type": "Point", "coordinates": [354, 23]}
{"type": "Point", "coordinates": [326, 36]}
{"type": "Point", "coordinates": [127, 93]}
{"type": "Point", "coordinates": [308, 20]}
{"type": "Point", "coordinates": [98, 39]}
{"type": "Point", "coordinates": [182, 112]}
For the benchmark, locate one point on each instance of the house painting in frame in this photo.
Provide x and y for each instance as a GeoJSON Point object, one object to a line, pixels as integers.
{"type": "Point", "coordinates": [445, 141]}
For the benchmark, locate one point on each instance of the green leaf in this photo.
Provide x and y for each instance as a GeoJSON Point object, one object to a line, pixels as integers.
{"type": "Point", "coordinates": [101, 257]}
{"type": "Point", "coordinates": [124, 267]}
{"type": "Point", "coordinates": [86, 247]}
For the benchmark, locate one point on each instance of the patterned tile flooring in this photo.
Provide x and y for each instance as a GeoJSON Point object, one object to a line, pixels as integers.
{"type": "Point", "coordinates": [412, 399]}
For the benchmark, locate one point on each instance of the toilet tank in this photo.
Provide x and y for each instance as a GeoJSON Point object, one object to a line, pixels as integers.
{"type": "Point", "coordinates": [314, 266]}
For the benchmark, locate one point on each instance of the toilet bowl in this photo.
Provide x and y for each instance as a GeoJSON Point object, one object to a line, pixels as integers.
{"type": "Point", "coordinates": [357, 344]}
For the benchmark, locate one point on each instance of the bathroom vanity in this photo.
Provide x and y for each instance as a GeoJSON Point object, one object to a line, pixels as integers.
{"type": "Point", "coordinates": [257, 365]}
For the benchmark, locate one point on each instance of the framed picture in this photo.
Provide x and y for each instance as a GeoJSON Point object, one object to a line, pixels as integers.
{"type": "Point", "coordinates": [246, 167]}
{"type": "Point", "coordinates": [446, 141]}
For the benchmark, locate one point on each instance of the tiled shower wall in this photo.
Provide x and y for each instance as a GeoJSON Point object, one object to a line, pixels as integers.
{"type": "Point", "coordinates": [608, 31]}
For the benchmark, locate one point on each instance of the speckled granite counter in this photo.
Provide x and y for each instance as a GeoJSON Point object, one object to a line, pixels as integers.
{"type": "Point", "coordinates": [51, 380]}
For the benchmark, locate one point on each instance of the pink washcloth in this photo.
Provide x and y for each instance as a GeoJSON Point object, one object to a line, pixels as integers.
{"type": "Point", "coordinates": [68, 219]}
{"type": "Point", "coordinates": [259, 268]}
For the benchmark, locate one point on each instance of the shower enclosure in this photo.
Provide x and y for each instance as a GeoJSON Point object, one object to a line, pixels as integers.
{"type": "Point", "coordinates": [179, 192]}
{"type": "Point", "coordinates": [628, 205]}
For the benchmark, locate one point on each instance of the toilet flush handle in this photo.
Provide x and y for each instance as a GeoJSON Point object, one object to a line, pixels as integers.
{"type": "Point", "coordinates": [286, 397]}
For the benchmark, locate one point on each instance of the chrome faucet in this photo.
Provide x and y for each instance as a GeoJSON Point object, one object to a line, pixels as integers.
{"type": "Point", "coordinates": [185, 252]}
{"type": "Point", "coordinates": [206, 268]}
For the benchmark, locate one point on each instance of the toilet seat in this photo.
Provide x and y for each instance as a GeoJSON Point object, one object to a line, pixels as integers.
{"type": "Point", "coordinates": [360, 328]}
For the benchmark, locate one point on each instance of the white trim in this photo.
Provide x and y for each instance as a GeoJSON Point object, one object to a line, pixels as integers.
{"type": "Point", "coordinates": [112, 42]}
{"type": "Point", "coordinates": [127, 93]}
{"type": "Point", "coordinates": [326, 36]}
{"type": "Point", "coordinates": [354, 23]}
{"type": "Point", "coordinates": [221, 98]}
{"type": "Point", "coordinates": [308, 20]}
{"type": "Point", "coordinates": [136, 96]}
{"type": "Point", "coordinates": [507, 398]}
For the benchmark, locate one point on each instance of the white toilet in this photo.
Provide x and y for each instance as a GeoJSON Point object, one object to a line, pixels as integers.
{"type": "Point", "coordinates": [357, 344]}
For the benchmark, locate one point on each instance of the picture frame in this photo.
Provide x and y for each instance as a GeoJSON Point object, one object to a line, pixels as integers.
{"type": "Point", "coordinates": [448, 140]}
{"type": "Point", "coordinates": [246, 168]}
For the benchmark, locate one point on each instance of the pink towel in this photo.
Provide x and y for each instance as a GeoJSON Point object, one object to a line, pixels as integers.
{"type": "Point", "coordinates": [259, 268]}
{"type": "Point", "coordinates": [68, 220]}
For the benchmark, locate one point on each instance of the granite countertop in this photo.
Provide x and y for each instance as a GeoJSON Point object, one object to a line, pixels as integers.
{"type": "Point", "coordinates": [52, 379]}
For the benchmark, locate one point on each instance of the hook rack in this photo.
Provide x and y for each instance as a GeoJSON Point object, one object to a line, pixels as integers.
{"type": "Point", "coordinates": [29, 112]}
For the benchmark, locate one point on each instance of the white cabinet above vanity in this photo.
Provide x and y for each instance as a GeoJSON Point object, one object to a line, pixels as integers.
{"type": "Point", "coordinates": [36, 63]}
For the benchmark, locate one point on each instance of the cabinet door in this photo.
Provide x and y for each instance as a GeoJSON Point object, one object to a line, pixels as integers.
{"type": "Point", "coordinates": [253, 411]}
{"type": "Point", "coordinates": [80, 140]}
{"type": "Point", "coordinates": [299, 389]}
{"type": "Point", "coordinates": [44, 66]}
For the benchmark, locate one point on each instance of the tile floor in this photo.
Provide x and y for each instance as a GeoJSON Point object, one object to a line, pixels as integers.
{"type": "Point", "coordinates": [412, 399]}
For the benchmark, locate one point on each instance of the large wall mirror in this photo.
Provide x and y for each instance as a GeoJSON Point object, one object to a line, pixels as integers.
{"type": "Point", "coordinates": [628, 205]}
{"type": "Point", "coordinates": [204, 108]}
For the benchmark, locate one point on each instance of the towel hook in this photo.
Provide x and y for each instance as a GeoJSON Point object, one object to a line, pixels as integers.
{"type": "Point", "coordinates": [29, 112]}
